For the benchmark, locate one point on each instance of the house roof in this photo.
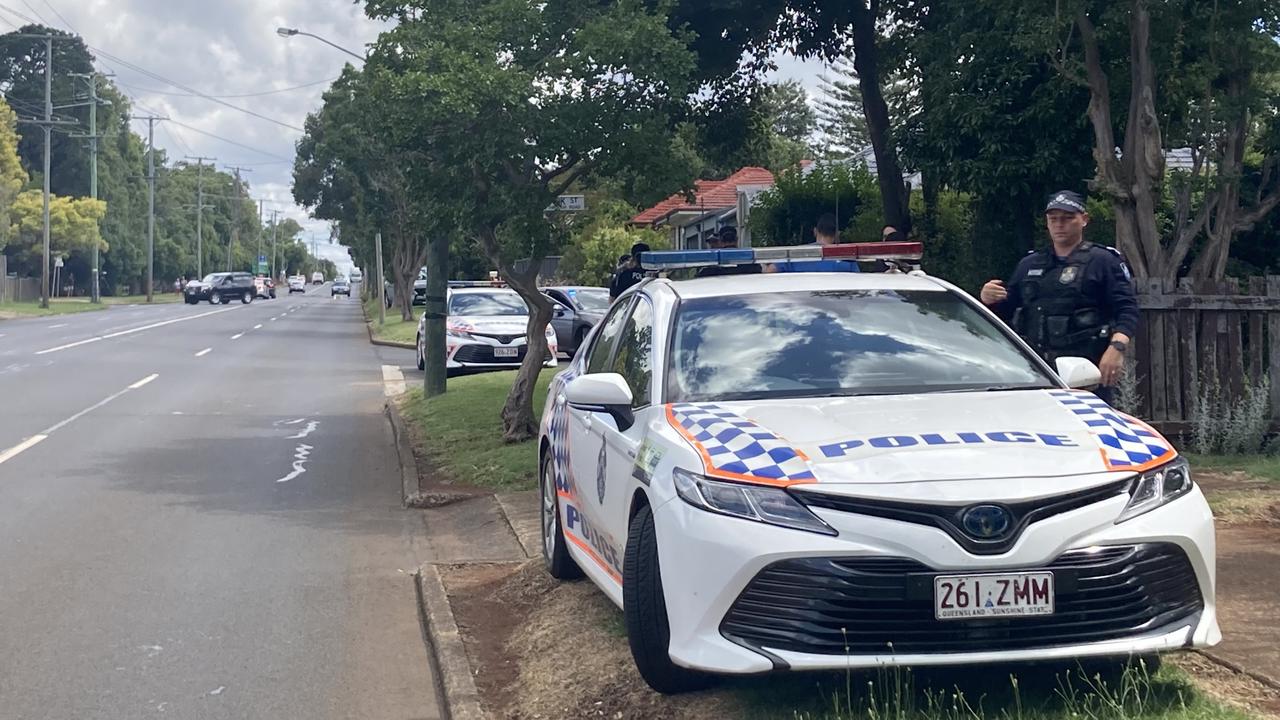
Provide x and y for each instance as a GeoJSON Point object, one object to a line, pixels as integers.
{"type": "Point", "coordinates": [708, 195]}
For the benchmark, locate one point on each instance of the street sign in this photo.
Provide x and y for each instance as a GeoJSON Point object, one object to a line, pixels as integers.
{"type": "Point", "coordinates": [262, 263]}
{"type": "Point", "coordinates": [57, 261]}
{"type": "Point", "coordinates": [570, 203]}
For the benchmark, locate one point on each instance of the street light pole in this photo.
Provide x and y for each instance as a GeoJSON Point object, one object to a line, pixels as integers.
{"type": "Point", "coordinates": [285, 32]}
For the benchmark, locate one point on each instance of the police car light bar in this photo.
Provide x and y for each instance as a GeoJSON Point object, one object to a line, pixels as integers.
{"type": "Point", "coordinates": [673, 259]}
{"type": "Point", "coordinates": [477, 283]}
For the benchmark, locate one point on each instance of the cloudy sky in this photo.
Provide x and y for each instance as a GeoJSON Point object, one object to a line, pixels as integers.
{"type": "Point", "coordinates": [229, 49]}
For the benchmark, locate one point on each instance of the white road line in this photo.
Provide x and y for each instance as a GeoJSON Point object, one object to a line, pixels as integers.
{"type": "Point", "coordinates": [310, 428]}
{"type": "Point", "coordinates": [54, 428]}
{"type": "Point", "coordinates": [237, 336]}
{"type": "Point", "coordinates": [24, 445]}
{"type": "Point", "coordinates": [108, 336]}
{"type": "Point", "coordinates": [272, 320]}
{"type": "Point", "coordinates": [144, 381]}
{"type": "Point", "coordinates": [258, 326]}
{"type": "Point", "coordinates": [59, 325]}
{"type": "Point", "coordinates": [204, 352]}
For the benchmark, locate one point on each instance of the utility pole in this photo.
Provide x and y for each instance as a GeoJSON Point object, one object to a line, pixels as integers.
{"type": "Point", "coordinates": [382, 283]}
{"type": "Point", "coordinates": [200, 212]}
{"type": "Point", "coordinates": [258, 254]}
{"type": "Point", "coordinates": [95, 292]}
{"type": "Point", "coordinates": [151, 201]}
{"type": "Point", "coordinates": [275, 214]}
{"type": "Point", "coordinates": [237, 201]}
{"type": "Point", "coordinates": [47, 124]}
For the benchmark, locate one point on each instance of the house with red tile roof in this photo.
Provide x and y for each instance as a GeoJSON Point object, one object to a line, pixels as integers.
{"type": "Point", "coordinates": [692, 218]}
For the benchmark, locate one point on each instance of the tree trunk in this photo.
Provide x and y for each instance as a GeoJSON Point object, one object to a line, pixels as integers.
{"type": "Point", "coordinates": [866, 62]}
{"type": "Point", "coordinates": [435, 311]}
{"type": "Point", "coordinates": [519, 422]}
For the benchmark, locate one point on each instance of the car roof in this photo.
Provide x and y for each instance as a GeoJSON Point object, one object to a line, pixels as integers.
{"type": "Point", "coordinates": [565, 288]}
{"type": "Point", "coordinates": [482, 290]}
{"type": "Point", "coordinates": [752, 284]}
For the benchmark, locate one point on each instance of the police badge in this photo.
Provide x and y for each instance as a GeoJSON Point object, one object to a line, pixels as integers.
{"type": "Point", "coordinates": [600, 463]}
{"type": "Point", "coordinates": [1068, 274]}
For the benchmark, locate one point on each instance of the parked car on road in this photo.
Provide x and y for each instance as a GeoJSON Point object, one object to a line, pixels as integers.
{"type": "Point", "coordinates": [584, 307]}
{"type": "Point", "coordinates": [340, 287]}
{"type": "Point", "coordinates": [317, 278]}
{"type": "Point", "coordinates": [265, 286]}
{"type": "Point", "coordinates": [297, 283]}
{"type": "Point", "coordinates": [221, 288]}
{"type": "Point", "coordinates": [836, 471]}
{"type": "Point", "coordinates": [485, 329]}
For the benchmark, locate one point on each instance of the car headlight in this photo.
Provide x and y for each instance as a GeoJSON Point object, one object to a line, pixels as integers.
{"type": "Point", "coordinates": [770, 505]}
{"type": "Point", "coordinates": [1157, 487]}
{"type": "Point", "coordinates": [459, 330]}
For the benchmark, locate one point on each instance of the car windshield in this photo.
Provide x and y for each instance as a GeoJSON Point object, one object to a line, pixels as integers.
{"type": "Point", "coordinates": [498, 303]}
{"type": "Point", "coordinates": [847, 342]}
{"type": "Point", "coordinates": [211, 277]}
{"type": "Point", "coordinates": [591, 299]}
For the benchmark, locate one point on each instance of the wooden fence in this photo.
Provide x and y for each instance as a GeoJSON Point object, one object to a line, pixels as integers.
{"type": "Point", "coordinates": [1194, 331]}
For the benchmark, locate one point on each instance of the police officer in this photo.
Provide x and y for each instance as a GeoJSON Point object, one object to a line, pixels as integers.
{"type": "Point", "coordinates": [629, 274]}
{"type": "Point", "coordinates": [726, 239]}
{"type": "Point", "coordinates": [1072, 299]}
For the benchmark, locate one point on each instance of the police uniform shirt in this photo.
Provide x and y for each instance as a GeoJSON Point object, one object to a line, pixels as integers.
{"type": "Point", "coordinates": [1104, 280]}
{"type": "Point", "coordinates": [715, 270]}
{"type": "Point", "coordinates": [624, 280]}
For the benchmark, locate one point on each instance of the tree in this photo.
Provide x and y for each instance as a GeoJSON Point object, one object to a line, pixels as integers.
{"type": "Point", "coordinates": [840, 114]}
{"type": "Point", "coordinates": [508, 104]}
{"type": "Point", "coordinates": [817, 28]}
{"type": "Point", "coordinates": [73, 226]}
{"type": "Point", "coordinates": [12, 176]}
{"type": "Point", "coordinates": [1216, 60]}
{"type": "Point", "coordinates": [785, 213]}
{"type": "Point", "coordinates": [22, 64]}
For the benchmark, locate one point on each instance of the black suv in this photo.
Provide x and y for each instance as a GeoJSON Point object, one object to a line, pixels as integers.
{"type": "Point", "coordinates": [222, 288]}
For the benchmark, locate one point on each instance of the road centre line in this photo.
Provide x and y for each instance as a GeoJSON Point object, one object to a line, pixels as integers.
{"type": "Point", "coordinates": [204, 352]}
{"type": "Point", "coordinates": [108, 336]}
{"type": "Point", "coordinates": [59, 325]}
{"type": "Point", "coordinates": [237, 336]}
{"type": "Point", "coordinates": [258, 326]}
{"type": "Point", "coordinates": [54, 428]}
{"type": "Point", "coordinates": [24, 445]}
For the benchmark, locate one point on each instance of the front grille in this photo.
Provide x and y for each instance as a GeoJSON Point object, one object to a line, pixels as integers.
{"type": "Point", "coordinates": [948, 517]}
{"type": "Point", "coordinates": [879, 605]}
{"type": "Point", "coordinates": [504, 339]}
{"type": "Point", "coordinates": [484, 354]}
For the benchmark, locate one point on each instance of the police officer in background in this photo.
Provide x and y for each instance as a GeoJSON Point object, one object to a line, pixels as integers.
{"type": "Point", "coordinates": [1074, 298]}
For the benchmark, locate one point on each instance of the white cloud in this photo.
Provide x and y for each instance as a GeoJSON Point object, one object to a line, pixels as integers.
{"type": "Point", "coordinates": [220, 47]}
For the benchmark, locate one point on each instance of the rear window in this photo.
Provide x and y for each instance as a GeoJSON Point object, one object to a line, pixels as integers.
{"type": "Point", "coordinates": [835, 343]}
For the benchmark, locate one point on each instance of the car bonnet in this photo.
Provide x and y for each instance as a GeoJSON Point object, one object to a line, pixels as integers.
{"type": "Point", "coordinates": [916, 438]}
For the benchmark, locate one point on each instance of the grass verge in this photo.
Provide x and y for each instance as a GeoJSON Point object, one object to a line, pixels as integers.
{"type": "Point", "coordinates": [460, 432]}
{"type": "Point", "coordinates": [395, 329]}
{"type": "Point", "coordinates": [1261, 467]}
{"type": "Point", "coordinates": [987, 692]}
{"type": "Point", "coordinates": [156, 299]}
{"type": "Point", "coordinates": [56, 307]}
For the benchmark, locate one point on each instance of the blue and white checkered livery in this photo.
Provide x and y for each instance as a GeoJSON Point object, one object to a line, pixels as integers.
{"type": "Point", "coordinates": [737, 448]}
{"type": "Point", "coordinates": [1126, 444]}
{"type": "Point", "coordinates": [558, 433]}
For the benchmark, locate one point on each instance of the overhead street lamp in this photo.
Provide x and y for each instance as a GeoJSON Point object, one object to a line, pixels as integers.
{"type": "Point", "coordinates": [285, 32]}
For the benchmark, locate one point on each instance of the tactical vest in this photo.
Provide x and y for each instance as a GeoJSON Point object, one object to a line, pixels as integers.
{"type": "Point", "coordinates": [1057, 318]}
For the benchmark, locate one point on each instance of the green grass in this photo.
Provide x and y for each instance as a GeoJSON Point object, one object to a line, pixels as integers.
{"type": "Point", "coordinates": [394, 329]}
{"type": "Point", "coordinates": [983, 692]}
{"type": "Point", "coordinates": [1262, 467]}
{"type": "Point", "coordinates": [56, 307]}
{"type": "Point", "coordinates": [156, 298]}
{"type": "Point", "coordinates": [461, 431]}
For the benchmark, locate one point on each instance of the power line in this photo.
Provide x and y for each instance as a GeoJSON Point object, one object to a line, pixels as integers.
{"type": "Point", "coordinates": [33, 10]}
{"type": "Point", "coordinates": [64, 20]}
{"type": "Point", "coordinates": [229, 141]}
{"type": "Point", "coordinates": [167, 81]}
{"type": "Point", "coordinates": [152, 91]}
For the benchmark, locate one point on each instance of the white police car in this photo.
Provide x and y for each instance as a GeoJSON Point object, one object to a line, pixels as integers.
{"type": "Point", "coordinates": [486, 329]}
{"type": "Point", "coordinates": [826, 471]}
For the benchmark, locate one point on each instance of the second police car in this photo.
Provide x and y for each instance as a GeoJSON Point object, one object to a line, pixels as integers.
{"type": "Point", "coordinates": [829, 471]}
{"type": "Point", "coordinates": [485, 329]}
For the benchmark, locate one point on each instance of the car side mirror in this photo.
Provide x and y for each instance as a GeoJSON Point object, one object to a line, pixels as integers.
{"type": "Point", "coordinates": [560, 310]}
{"type": "Point", "coordinates": [604, 393]}
{"type": "Point", "coordinates": [1078, 372]}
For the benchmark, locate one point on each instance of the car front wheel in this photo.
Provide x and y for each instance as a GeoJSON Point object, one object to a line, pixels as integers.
{"type": "Point", "coordinates": [645, 609]}
{"type": "Point", "coordinates": [215, 298]}
{"type": "Point", "coordinates": [554, 552]}
{"type": "Point", "coordinates": [422, 356]}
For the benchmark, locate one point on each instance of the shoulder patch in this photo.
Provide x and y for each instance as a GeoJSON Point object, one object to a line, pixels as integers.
{"type": "Point", "coordinates": [1124, 264]}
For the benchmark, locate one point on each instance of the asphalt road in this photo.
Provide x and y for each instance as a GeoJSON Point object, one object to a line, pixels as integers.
{"type": "Point", "coordinates": [200, 518]}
